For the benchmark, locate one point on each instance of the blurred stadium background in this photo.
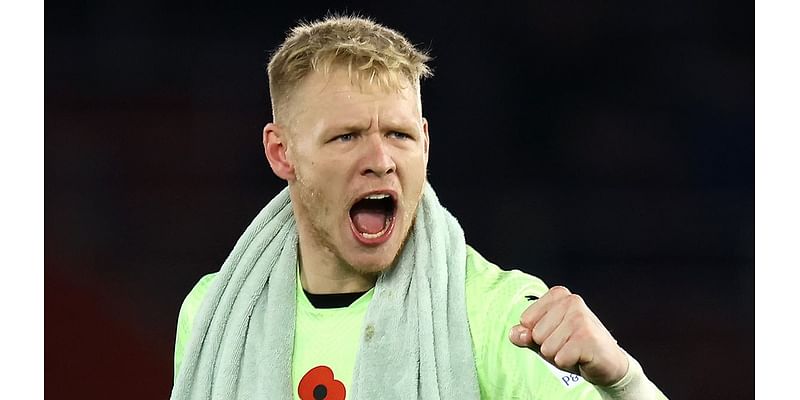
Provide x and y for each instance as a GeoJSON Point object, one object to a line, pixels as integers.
{"type": "Point", "coordinates": [604, 146]}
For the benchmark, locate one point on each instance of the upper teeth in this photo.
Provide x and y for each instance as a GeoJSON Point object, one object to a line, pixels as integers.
{"type": "Point", "coordinates": [377, 196]}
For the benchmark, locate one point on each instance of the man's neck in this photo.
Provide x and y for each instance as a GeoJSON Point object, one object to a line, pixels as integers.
{"type": "Point", "coordinates": [324, 282]}
{"type": "Point", "coordinates": [324, 275]}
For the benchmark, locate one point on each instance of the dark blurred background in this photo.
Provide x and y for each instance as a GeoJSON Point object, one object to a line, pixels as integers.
{"type": "Point", "coordinates": [606, 146]}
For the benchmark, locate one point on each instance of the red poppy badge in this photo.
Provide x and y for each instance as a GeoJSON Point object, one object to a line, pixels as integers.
{"type": "Point", "coordinates": [318, 384]}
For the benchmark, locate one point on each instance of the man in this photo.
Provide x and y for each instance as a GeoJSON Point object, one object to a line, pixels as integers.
{"type": "Point", "coordinates": [355, 282]}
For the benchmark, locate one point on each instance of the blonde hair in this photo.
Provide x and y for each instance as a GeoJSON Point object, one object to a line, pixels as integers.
{"type": "Point", "coordinates": [372, 53]}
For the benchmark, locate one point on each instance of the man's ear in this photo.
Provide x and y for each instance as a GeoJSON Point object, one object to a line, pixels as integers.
{"type": "Point", "coordinates": [275, 147]}
{"type": "Point", "coordinates": [426, 138]}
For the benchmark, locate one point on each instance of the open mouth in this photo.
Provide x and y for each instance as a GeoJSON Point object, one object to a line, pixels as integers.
{"type": "Point", "coordinates": [372, 217]}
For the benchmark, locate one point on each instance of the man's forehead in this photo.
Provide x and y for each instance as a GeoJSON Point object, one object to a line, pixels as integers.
{"type": "Point", "coordinates": [334, 96]}
{"type": "Point", "coordinates": [338, 85]}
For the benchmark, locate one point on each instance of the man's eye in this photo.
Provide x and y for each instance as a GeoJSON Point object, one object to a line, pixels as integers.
{"type": "Point", "coordinates": [399, 135]}
{"type": "Point", "coordinates": [345, 138]}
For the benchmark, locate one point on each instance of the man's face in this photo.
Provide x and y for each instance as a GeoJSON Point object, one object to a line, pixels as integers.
{"type": "Point", "coordinates": [360, 155]}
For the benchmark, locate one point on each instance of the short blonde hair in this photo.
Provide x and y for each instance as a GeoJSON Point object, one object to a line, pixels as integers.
{"type": "Point", "coordinates": [371, 53]}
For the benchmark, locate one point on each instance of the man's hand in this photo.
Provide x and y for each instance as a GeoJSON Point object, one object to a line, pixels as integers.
{"type": "Point", "coordinates": [562, 329]}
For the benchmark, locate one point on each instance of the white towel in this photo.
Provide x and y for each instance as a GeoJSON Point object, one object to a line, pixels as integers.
{"type": "Point", "coordinates": [415, 342]}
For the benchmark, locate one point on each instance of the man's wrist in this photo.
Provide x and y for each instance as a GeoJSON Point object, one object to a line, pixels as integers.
{"type": "Point", "coordinates": [633, 385]}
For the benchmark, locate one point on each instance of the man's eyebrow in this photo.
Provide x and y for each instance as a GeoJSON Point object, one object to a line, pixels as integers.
{"type": "Point", "coordinates": [347, 126]}
{"type": "Point", "coordinates": [399, 123]}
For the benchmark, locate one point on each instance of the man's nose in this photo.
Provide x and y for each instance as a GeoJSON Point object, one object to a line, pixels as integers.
{"type": "Point", "coordinates": [377, 160]}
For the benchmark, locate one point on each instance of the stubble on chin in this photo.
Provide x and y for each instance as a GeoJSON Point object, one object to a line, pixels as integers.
{"type": "Point", "coordinates": [311, 210]}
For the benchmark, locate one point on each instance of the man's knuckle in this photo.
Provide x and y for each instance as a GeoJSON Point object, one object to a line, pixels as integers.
{"type": "Point", "coordinates": [559, 290]}
{"type": "Point", "coordinates": [526, 319]}
{"type": "Point", "coordinates": [575, 300]}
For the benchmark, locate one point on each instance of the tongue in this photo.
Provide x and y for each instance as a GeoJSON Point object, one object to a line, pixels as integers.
{"type": "Point", "coordinates": [369, 221]}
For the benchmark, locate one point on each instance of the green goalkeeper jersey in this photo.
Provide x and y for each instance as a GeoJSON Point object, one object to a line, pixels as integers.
{"type": "Point", "coordinates": [326, 340]}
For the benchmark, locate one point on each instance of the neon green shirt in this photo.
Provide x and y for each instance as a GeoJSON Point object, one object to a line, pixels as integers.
{"type": "Point", "coordinates": [326, 340]}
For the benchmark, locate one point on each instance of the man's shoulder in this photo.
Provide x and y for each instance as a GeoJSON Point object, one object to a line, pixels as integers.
{"type": "Point", "coordinates": [195, 297]}
{"type": "Point", "coordinates": [191, 304]}
{"type": "Point", "coordinates": [486, 278]}
{"type": "Point", "coordinates": [496, 298]}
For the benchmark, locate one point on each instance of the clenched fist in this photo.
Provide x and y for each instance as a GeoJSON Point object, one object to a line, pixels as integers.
{"type": "Point", "coordinates": [562, 329]}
